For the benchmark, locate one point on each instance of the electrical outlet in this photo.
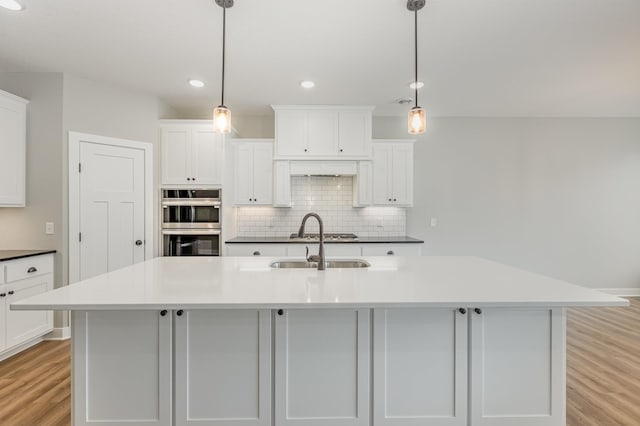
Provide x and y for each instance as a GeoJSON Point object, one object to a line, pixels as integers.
{"type": "Point", "coordinates": [49, 228]}
{"type": "Point", "coordinates": [433, 222]}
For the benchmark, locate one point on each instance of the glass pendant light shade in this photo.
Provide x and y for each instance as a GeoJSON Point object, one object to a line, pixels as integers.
{"type": "Point", "coordinates": [222, 119]}
{"type": "Point", "coordinates": [417, 120]}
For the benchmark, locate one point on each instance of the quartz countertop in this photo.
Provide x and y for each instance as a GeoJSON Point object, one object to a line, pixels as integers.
{"type": "Point", "coordinates": [250, 283]}
{"type": "Point", "coordinates": [19, 254]}
{"type": "Point", "coordinates": [401, 239]}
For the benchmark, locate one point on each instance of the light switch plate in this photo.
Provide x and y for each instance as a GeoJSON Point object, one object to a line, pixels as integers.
{"type": "Point", "coordinates": [49, 228]}
{"type": "Point", "coordinates": [434, 222]}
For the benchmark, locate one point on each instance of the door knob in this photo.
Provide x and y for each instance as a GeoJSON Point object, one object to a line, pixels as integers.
{"type": "Point", "coordinates": [138, 242]}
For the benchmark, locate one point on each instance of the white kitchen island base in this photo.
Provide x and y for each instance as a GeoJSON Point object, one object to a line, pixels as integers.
{"type": "Point", "coordinates": [325, 367]}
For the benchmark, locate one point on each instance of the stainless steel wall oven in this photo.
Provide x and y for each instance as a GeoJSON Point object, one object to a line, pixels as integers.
{"type": "Point", "coordinates": [191, 222]}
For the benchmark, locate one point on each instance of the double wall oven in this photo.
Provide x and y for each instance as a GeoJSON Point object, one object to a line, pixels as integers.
{"type": "Point", "coordinates": [191, 222]}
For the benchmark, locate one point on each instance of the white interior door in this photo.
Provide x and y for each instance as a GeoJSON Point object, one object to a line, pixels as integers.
{"type": "Point", "coordinates": [112, 207]}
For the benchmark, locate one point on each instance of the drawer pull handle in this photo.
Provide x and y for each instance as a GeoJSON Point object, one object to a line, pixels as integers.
{"type": "Point", "coordinates": [32, 270]}
{"type": "Point", "coordinates": [10, 292]}
{"type": "Point", "coordinates": [390, 253]}
{"type": "Point", "coordinates": [256, 253]}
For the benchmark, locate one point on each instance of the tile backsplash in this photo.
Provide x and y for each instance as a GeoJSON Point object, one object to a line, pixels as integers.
{"type": "Point", "coordinates": [332, 198]}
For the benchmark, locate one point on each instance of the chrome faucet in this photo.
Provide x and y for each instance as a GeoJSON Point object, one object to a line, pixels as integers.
{"type": "Point", "coordinates": [320, 256]}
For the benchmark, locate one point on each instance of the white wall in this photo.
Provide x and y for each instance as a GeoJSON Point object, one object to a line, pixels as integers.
{"type": "Point", "coordinates": [556, 196]}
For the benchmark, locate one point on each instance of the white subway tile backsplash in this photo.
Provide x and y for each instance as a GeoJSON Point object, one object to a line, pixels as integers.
{"type": "Point", "coordinates": [331, 197]}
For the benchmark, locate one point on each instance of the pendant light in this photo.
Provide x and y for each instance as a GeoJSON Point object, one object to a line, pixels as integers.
{"type": "Point", "coordinates": [417, 117]}
{"type": "Point", "coordinates": [222, 114]}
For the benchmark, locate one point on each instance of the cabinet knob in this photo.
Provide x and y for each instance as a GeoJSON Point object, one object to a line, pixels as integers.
{"type": "Point", "coordinates": [3, 294]}
{"type": "Point", "coordinates": [255, 199]}
{"type": "Point", "coordinates": [390, 253]}
{"type": "Point", "coordinates": [389, 199]}
{"type": "Point", "coordinates": [341, 149]}
{"type": "Point", "coordinates": [463, 311]}
{"type": "Point", "coordinates": [256, 253]}
{"type": "Point", "coordinates": [280, 312]}
{"type": "Point", "coordinates": [179, 313]}
{"type": "Point", "coordinates": [138, 242]}
{"type": "Point", "coordinates": [395, 199]}
{"type": "Point", "coordinates": [193, 178]}
{"type": "Point", "coordinates": [32, 270]}
{"type": "Point", "coordinates": [11, 292]}
{"type": "Point", "coordinates": [478, 311]}
{"type": "Point", "coordinates": [163, 312]}
{"type": "Point", "coordinates": [250, 199]}
{"type": "Point", "coordinates": [188, 178]}
{"type": "Point", "coordinates": [305, 150]}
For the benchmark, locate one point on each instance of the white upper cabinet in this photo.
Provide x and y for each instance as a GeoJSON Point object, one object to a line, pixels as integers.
{"type": "Point", "coordinates": [253, 171]}
{"type": "Point", "coordinates": [323, 132]}
{"type": "Point", "coordinates": [13, 124]}
{"type": "Point", "coordinates": [192, 153]}
{"type": "Point", "coordinates": [393, 173]}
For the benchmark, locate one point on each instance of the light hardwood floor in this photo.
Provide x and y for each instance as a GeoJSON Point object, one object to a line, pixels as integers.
{"type": "Point", "coordinates": [603, 374]}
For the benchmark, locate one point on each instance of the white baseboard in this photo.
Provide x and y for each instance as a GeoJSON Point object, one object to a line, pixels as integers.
{"type": "Point", "coordinates": [59, 333]}
{"type": "Point", "coordinates": [11, 352]}
{"type": "Point", "coordinates": [622, 292]}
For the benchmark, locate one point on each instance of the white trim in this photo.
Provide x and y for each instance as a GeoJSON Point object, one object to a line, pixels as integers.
{"type": "Point", "coordinates": [59, 333]}
{"type": "Point", "coordinates": [21, 347]}
{"type": "Point", "coordinates": [621, 292]}
{"type": "Point", "coordinates": [75, 139]}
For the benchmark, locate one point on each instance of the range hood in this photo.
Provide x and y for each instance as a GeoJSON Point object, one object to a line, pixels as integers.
{"type": "Point", "coordinates": [323, 168]}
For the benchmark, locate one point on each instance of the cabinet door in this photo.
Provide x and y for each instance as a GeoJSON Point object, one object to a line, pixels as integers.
{"type": "Point", "coordinates": [24, 325]}
{"type": "Point", "coordinates": [243, 174]}
{"type": "Point", "coordinates": [291, 133]}
{"type": "Point", "coordinates": [223, 368]}
{"type": "Point", "coordinates": [322, 367]}
{"type": "Point", "coordinates": [176, 155]}
{"type": "Point", "coordinates": [281, 184]}
{"type": "Point", "coordinates": [355, 134]}
{"type": "Point", "coordinates": [420, 367]}
{"type": "Point", "coordinates": [518, 367]}
{"type": "Point", "coordinates": [206, 156]}
{"type": "Point", "coordinates": [382, 174]}
{"type": "Point", "coordinates": [13, 116]}
{"type": "Point", "coordinates": [402, 175]}
{"type": "Point", "coordinates": [4, 307]}
{"type": "Point", "coordinates": [410, 249]}
{"type": "Point", "coordinates": [362, 185]}
{"type": "Point", "coordinates": [322, 133]}
{"type": "Point", "coordinates": [121, 367]}
{"type": "Point", "coordinates": [263, 173]}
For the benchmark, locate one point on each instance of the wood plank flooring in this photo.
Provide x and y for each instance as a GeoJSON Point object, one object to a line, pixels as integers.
{"type": "Point", "coordinates": [603, 374]}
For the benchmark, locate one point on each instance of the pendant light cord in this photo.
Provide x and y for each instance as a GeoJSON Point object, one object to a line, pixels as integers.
{"type": "Point", "coordinates": [224, 32]}
{"type": "Point", "coordinates": [415, 81]}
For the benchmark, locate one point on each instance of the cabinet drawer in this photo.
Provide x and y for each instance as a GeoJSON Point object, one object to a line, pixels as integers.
{"type": "Point", "coordinates": [347, 249]}
{"type": "Point", "coordinates": [392, 250]}
{"type": "Point", "coordinates": [29, 267]}
{"type": "Point", "coordinates": [256, 250]}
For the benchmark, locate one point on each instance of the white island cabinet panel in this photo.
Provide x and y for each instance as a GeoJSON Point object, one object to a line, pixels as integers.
{"type": "Point", "coordinates": [223, 368]}
{"type": "Point", "coordinates": [122, 368]}
{"type": "Point", "coordinates": [517, 367]}
{"type": "Point", "coordinates": [420, 367]}
{"type": "Point", "coordinates": [322, 367]}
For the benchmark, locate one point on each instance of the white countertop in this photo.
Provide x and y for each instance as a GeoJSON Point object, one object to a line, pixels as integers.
{"type": "Point", "coordinates": [249, 282]}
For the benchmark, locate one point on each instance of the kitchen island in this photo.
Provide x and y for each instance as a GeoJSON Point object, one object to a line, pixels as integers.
{"type": "Point", "coordinates": [232, 341]}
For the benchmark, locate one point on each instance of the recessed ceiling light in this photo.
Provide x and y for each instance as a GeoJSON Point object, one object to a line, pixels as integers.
{"type": "Point", "coordinates": [11, 5]}
{"type": "Point", "coordinates": [307, 84]}
{"type": "Point", "coordinates": [194, 83]}
{"type": "Point", "coordinates": [413, 85]}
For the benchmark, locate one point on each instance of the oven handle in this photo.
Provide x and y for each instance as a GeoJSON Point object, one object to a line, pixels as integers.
{"type": "Point", "coordinates": [190, 232]}
{"type": "Point", "coordinates": [195, 203]}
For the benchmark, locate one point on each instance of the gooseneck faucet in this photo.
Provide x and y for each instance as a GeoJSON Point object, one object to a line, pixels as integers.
{"type": "Point", "coordinates": [320, 256]}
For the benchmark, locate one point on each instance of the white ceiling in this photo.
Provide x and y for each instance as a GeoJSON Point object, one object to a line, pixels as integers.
{"type": "Point", "coordinates": [478, 58]}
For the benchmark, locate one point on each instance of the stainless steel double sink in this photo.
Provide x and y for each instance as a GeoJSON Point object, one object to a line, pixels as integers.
{"type": "Point", "coordinates": [336, 263]}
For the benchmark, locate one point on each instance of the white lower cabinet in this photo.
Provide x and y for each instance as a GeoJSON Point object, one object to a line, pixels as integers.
{"type": "Point", "coordinates": [223, 368]}
{"type": "Point", "coordinates": [121, 368]}
{"type": "Point", "coordinates": [517, 367]}
{"type": "Point", "coordinates": [24, 278]}
{"type": "Point", "coordinates": [322, 367]}
{"type": "Point", "coordinates": [256, 249]}
{"type": "Point", "coordinates": [420, 367]}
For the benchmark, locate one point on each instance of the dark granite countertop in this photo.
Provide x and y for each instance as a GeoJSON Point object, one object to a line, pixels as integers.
{"type": "Point", "coordinates": [401, 239]}
{"type": "Point", "coordinates": [19, 254]}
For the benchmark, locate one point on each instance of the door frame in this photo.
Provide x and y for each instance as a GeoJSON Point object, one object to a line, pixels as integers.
{"type": "Point", "coordinates": [75, 139]}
